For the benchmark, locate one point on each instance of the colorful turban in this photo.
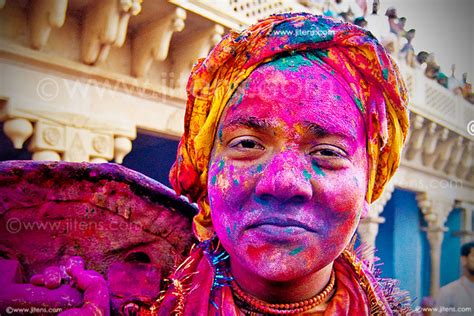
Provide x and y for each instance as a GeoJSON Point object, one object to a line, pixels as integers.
{"type": "Point", "coordinates": [375, 83]}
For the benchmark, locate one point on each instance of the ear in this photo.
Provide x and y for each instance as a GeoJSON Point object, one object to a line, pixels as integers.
{"type": "Point", "coordinates": [463, 260]}
{"type": "Point", "coordinates": [365, 210]}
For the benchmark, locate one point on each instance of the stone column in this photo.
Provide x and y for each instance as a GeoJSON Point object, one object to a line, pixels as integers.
{"type": "Point", "coordinates": [368, 230]}
{"type": "Point", "coordinates": [435, 239]}
{"type": "Point", "coordinates": [466, 233]}
{"type": "Point", "coordinates": [435, 212]}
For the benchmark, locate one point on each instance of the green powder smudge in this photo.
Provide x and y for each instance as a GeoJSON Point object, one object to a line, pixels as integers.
{"type": "Point", "coordinates": [306, 174]}
{"type": "Point", "coordinates": [296, 251]}
{"type": "Point", "coordinates": [318, 170]}
{"type": "Point", "coordinates": [214, 180]}
{"type": "Point", "coordinates": [221, 165]}
{"type": "Point", "coordinates": [359, 104]}
{"type": "Point", "coordinates": [385, 73]}
{"type": "Point", "coordinates": [291, 63]}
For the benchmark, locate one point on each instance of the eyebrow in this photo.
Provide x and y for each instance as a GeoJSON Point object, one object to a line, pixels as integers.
{"type": "Point", "coordinates": [319, 131]}
{"type": "Point", "coordinates": [250, 122]}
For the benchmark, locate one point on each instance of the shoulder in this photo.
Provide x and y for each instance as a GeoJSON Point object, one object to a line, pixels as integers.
{"type": "Point", "coordinates": [448, 292]}
{"type": "Point", "coordinates": [456, 284]}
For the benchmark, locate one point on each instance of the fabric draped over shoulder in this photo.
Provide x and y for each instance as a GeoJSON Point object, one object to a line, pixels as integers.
{"type": "Point", "coordinates": [376, 87]}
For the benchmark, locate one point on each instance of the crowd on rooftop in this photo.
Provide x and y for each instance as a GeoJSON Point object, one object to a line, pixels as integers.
{"type": "Point", "coordinates": [397, 39]}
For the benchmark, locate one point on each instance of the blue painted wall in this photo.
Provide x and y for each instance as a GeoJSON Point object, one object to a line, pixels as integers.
{"type": "Point", "coordinates": [450, 253]}
{"type": "Point", "coordinates": [402, 246]}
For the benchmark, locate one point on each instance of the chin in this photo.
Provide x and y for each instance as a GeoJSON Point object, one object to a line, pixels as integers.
{"type": "Point", "coordinates": [283, 268]}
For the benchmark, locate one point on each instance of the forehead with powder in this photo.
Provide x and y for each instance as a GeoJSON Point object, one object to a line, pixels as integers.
{"type": "Point", "coordinates": [298, 84]}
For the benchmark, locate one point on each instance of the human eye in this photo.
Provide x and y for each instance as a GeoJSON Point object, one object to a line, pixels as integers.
{"type": "Point", "coordinates": [329, 156]}
{"type": "Point", "coordinates": [246, 143]}
{"type": "Point", "coordinates": [245, 147]}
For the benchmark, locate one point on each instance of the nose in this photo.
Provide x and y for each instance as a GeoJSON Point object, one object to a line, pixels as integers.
{"type": "Point", "coordinates": [285, 179]}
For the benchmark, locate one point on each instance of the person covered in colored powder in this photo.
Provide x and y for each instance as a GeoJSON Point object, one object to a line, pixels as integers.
{"type": "Point", "coordinates": [292, 128]}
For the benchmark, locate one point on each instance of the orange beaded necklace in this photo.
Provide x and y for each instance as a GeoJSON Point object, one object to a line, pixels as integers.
{"type": "Point", "coordinates": [253, 304]}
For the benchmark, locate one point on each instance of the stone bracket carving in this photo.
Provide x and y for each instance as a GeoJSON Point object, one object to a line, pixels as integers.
{"type": "Point", "coordinates": [43, 16]}
{"type": "Point", "coordinates": [197, 47]}
{"type": "Point", "coordinates": [105, 25]}
{"type": "Point", "coordinates": [435, 211]}
{"type": "Point", "coordinates": [465, 163]}
{"type": "Point", "coordinates": [436, 147]}
{"type": "Point", "coordinates": [431, 142]}
{"type": "Point", "coordinates": [152, 42]}
{"type": "Point", "coordinates": [417, 134]}
{"type": "Point", "coordinates": [455, 156]}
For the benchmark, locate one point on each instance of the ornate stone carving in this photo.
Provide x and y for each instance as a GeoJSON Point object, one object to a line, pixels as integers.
{"type": "Point", "coordinates": [46, 155]}
{"type": "Point", "coordinates": [99, 143]}
{"type": "Point", "coordinates": [122, 147]}
{"type": "Point", "coordinates": [105, 24]}
{"type": "Point", "coordinates": [430, 143]}
{"type": "Point", "coordinates": [152, 41]}
{"type": "Point", "coordinates": [455, 156]}
{"type": "Point", "coordinates": [417, 133]}
{"type": "Point", "coordinates": [44, 15]}
{"type": "Point", "coordinates": [190, 50]}
{"type": "Point", "coordinates": [18, 130]}
{"type": "Point", "coordinates": [51, 136]}
{"type": "Point", "coordinates": [76, 150]}
{"type": "Point", "coordinates": [466, 162]}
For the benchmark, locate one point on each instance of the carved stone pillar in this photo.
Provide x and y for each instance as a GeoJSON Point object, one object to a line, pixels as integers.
{"type": "Point", "coordinates": [466, 233]}
{"type": "Point", "coordinates": [368, 230]}
{"type": "Point", "coordinates": [435, 212]}
{"type": "Point", "coordinates": [435, 239]}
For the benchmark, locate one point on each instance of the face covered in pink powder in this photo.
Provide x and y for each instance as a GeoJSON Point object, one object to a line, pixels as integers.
{"type": "Point", "coordinates": [288, 173]}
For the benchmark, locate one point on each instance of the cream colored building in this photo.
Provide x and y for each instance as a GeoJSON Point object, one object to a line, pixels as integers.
{"type": "Point", "coordinates": [79, 78]}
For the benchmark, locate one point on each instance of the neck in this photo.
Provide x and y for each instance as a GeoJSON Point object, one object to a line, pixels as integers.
{"type": "Point", "coordinates": [281, 291]}
{"type": "Point", "coordinates": [469, 276]}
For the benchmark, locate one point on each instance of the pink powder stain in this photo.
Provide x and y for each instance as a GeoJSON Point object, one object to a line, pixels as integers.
{"type": "Point", "coordinates": [291, 218]}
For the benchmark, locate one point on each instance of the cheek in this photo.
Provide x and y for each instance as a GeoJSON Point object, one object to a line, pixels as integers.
{"type": "Point", "coordinates": [228, 189]}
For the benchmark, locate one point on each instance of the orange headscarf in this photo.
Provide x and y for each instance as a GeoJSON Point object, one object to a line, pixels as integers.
{"type": "Point", "coordinates": [373, 77]}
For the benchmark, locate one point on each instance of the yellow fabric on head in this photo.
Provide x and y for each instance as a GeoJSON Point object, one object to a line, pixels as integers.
{"type": "Point", "coordinates": [378, 90]}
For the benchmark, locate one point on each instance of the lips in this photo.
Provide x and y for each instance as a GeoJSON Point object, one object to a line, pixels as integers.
{"type": "Point", "coordinates": [280, 223]}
